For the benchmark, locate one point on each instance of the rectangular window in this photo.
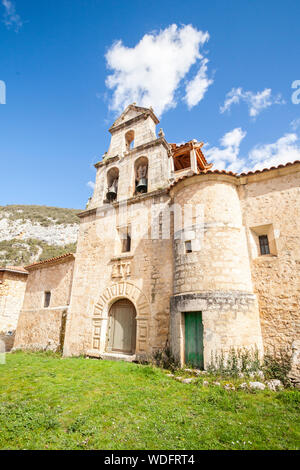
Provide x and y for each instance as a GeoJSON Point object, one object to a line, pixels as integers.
{"type": "Point", "coordinates": [126, 241]}
{"type": "Point", "coordinates": [47, 298]}
{"type": "Point", "coordinates": [264, 245]}
{"type": "Point", "coordinates": [188, 246]}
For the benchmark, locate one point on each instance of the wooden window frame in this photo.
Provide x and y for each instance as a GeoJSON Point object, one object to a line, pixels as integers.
{"type": "Point", "coordinates": [264, 245]}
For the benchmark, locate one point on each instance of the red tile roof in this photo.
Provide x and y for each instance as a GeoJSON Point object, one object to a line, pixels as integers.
{"type": "Point", "coordinates": [230, 173]}
{"type": "Point", "coordinates": [268, 169]}
{"type": "Point", "coordinates": [181, 156]}
{"type": "Point", "coordinates": [50, 260]}
{"type": "Point", "coordinates": [15, 269]}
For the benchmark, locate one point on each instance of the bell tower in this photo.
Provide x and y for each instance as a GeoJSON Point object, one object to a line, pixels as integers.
{"type": "Point", "coordinates": [136, 126]}
{"type": "Point", "coordinates": [137, 161]}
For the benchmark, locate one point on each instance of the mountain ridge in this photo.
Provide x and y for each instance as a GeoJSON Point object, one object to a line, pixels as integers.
{"type": "Point", "coordinates": [30, 233]}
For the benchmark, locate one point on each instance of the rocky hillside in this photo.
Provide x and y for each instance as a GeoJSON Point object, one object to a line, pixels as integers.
{"type": "Point", "coordinates": [35, 233]}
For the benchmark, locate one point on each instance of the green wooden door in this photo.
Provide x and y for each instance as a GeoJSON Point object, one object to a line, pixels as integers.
{"type": "Point", "coordinates": [194, 339]}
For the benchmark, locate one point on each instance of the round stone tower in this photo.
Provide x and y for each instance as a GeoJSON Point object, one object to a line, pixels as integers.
{"type": "Point", "coordinates": [213, 306]}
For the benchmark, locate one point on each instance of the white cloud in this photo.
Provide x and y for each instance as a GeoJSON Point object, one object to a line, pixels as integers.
{"type": "Point", "coordinates": [295, 124]}
{"type": "Point", "coordinates": [198, 86]}
{"type": "Point", "coordinates": [151, 72]}
{"type": "Point", "coordinates": [227, 157]}
{"type": "Point", "coordinates": [256, 101]}
{"type": "Point", "coordinates": [91, 184]}
{"type": "Point", "coordinates": [11, 18]}
{"type": "Point", "coordinates": [284, 150]}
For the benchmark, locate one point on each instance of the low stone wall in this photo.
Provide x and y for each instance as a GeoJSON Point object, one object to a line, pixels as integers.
{"type": "Point", "coordinates": [41, 330]}
{"type": "Point", "coordinates": [12, 290]}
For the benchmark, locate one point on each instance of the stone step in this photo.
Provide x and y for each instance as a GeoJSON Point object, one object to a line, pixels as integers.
{"type": "Point", "coordinates": [115, 357]}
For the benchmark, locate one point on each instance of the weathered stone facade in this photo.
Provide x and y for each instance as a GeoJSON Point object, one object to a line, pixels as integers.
{"type": "Point", "coordinates": [271, 200]}
{"type": "Point", "coordinates": [193, 245]}
{"type": "Point", "coordinates": [42, 327]}
{"type": "Point", "coordinates": [12, 290]}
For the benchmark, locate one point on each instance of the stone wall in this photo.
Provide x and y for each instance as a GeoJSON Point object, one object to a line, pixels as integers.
{"type": "Point", "coordinates": [220, 261]}
{"type": "Point", "coordinates": [42, 328]}
{"type": "Point", "coordinates": [230, 319]}
{"type": "Point", "coordinates": [215, 278]}
{"type": "Point", "coordinates": [103, 275]}
{"type": "Point", "coordinates": [12, 290]}
{"type": "Point", "coordinates": [273, 200]}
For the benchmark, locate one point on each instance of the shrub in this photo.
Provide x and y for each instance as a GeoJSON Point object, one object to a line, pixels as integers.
{"type": "Point", "coordinates": [277, 365]}
{"type": "Point", "coordinates": [274, 365]}
{"type": "Point", "coordinates": [234, 362]}
{"type": "Point", "coordinates": [164, 359]}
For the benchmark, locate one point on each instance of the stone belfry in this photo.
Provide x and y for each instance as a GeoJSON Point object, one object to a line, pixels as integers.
{"type": "Point", "coordinates": [134, 151]}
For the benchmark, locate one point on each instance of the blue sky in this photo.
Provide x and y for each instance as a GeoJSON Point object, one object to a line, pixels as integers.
{"type": "Point", "coordinates": [239, 57]}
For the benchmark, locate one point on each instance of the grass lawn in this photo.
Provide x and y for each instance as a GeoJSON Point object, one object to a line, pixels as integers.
{"type": "Point", "coordinates": [47, 402]}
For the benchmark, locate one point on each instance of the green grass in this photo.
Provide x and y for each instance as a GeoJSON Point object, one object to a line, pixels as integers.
{"type": "Point", "coordinates": [47, 402]}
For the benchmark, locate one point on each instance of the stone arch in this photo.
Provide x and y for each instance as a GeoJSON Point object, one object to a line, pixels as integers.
{"type": "Point", "coordinates": [129, 140]}
{"type": "Point", "coordinates": [141, 167]}
{"type": "Point", "coordinates": [121, 290]}
{"type": "Point", "coordinates": [112, 181]}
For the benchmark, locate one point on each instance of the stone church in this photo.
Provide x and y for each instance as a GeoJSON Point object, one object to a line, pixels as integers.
{"type": "Point", "coordinates": [171, 251]}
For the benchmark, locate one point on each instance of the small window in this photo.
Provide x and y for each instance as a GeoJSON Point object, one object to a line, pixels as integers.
{"type": "Point", "coordinates": [47, 298]}
{"type": "Point", "coordinates": [264, 245]}
{"type": "Point", "coordinates": [126, 241]}
{"type": "Point", "coordinates": [188, 246]}
{"type": "Point", "coordinates": [263, 240]}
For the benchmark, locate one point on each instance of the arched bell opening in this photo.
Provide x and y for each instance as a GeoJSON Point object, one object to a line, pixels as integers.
{"type": "Point", "coordinates": [141, 175]}
{"type": "Point", "coordinates": [129, 140]}
{"type": "Point", "coordinates": [121, 333]}
{"type": "Point", "coordinates": [112, 184]}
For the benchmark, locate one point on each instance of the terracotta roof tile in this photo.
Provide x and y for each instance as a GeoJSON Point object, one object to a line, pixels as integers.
{"type": "Point", "coordinates": [50, 260]}
{"type": "Point", "coordinates": [268, 169]}
{"type": "Point", "coordinates": [15, 269]}
{"type": "Point", "coordinates": [230, 173]}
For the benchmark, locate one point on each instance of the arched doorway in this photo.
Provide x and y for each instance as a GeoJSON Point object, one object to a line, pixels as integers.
{"type": "Point", "coordinates": [121, 334]}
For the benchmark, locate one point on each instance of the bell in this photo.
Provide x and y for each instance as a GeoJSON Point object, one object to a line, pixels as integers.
{"type": "Point", "coordinates": [111, 194]}
{"type": "Point", "coordinates": [141, 186]}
